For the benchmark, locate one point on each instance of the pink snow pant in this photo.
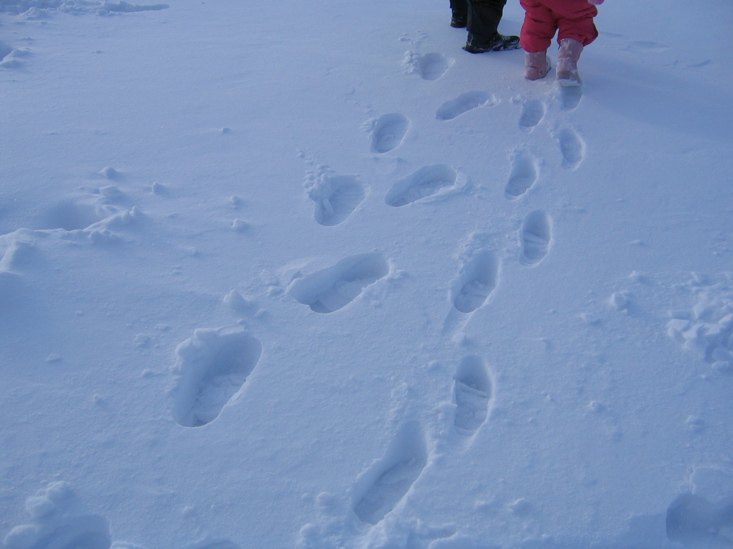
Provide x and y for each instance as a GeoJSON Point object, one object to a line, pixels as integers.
{"type": "Point", "coordinates": [542, 18]}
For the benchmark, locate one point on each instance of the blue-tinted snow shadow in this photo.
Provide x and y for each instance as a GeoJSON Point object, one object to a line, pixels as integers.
{"type": "Point", "coordinates": [680, 102]}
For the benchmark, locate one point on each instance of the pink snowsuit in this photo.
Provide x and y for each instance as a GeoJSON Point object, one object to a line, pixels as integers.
{"type": "Point", "coordinates": [542, 18]}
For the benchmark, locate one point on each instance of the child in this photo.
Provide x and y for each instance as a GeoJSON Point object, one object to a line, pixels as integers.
{"type": "Point", "coordinates": [574, 21]}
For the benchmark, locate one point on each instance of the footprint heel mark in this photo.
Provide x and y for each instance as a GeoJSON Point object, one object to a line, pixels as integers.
{"type": "Point", "coordinates": [333, 288]}
{"type": "Point", "coordinates": [572, 148]}
{"type": "Point", "coordinates": [472, 393]}
{"type": "Point", "coordinates": [384, 485]}
{"type": "Point", "coordinates": [464, 103]}
{"type": "Point", "coordinates": [335, 198]}
{"type": "Point", "coordinates": [476, 282]}
{"type": "Point", "coordinates": [211, 367]}
{"type": "Point", "coordinates": [389, 131]}
{"type": "Point", "coordinates": [423, 183]}
{"type": "Point", "coordinates": [536, 238]}
{"type": "Point", "coordinates": [432, 66]}
{"type": "Point", "coordinates": [533, 112]}
{"type": "Point", "coordinates": [523, 176]}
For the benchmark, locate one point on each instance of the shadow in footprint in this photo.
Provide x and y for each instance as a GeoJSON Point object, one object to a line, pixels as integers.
{"type": "Point", "coordinates": [421, 184]}
{"type": "Point", "coordinates": [477, 280]}
{"type": "Point", "coordinates": [523, 176]}
{"type": "Point", "coordinates": [333, 288]}
{"type": "Point", "coordinates": [570, 97]}
{"type": "Point", "coordinates": [572, 149]}
{"type": "Point", "coordinates": [694, 521]}
{"type": "Point", "coordinates": [533, 112]}
{"type": "Point", "coordinates": [389, 131]}
{"type": "Point", "coordinates": [432, 66]}
{"type": "Point", "coordinates": [336, 198]}
{"type": "Point", "coordinates": [464, 103]}
{"type": "Point", "coordinates": [212, 366]}
{"type": "Point", "coordinates": [536, 238]}
{"type": "Point", "coordinates": [379, 489]}
{"type": "Point", "coordinates": [472, 392]}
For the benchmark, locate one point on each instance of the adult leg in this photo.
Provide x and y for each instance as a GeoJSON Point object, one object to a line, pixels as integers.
{"type": "Point", "coordinates": [459, 11]}
{"type": "Point", "coordinates": [483, 23]}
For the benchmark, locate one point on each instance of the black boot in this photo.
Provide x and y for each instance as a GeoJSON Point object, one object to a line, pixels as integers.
{"type": "Point", "coordinates": [498, 42]}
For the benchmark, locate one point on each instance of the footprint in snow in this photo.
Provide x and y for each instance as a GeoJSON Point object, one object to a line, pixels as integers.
{"type": "Point", "coordinates": [570, 97]}
{"type": "Point", "coordinates": [533, 112]}
{"type": "Point", "coordinates": [472, 392]}
{"type": "Point", "coordinates": [333, 288]}
{"type": "Point", "coordinates": [432, 66]}
{"type": "Point", "coordinates": [536, 238]}
{"type": "Point", "coordinates": [54, 526]}
{"type": "Point", "coordinates": [381, 488]}
{"type": "Point", "coordinates": [572, 148]}
{"type": "Point", "coordinates": [477, 280]}
{"type": "Point", "coordinates": [423, 183]}
{"type": "Point", "coordinates": [336, 197]}
{"type": "Point", "coordinates": [389, 131]}
{"type": "Point", "coordinates": [211, 367]}
{"type": "Point", "coordinates": [464, 103]}
{"type": "Point", "coordinates": [522, 177]}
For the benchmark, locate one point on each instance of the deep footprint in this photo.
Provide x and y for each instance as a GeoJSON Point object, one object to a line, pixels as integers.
{"type": "Point", "coordinates": [333, 288]}
{"type": "Point", "coordinates": [212, 366]}
{"type": "Point", "coordinates": [572, 149]}
{"type": "Point", "coordinates": [532, 114]}
{"type": "Point", "coordinates": [432, 66]}
{"type": "Point", "coordinates": [477, 280]}
{"type": "Point", "coordinates": [536, 238]}
{"type": "Point", "coordinates": [384, 485]}
{"type": "Point", "coordinates": [464, 103]}
{"type": "Point", "coordinates": [472, 393]}
{"type": "Point", "coordinates": [423, 183]}
{"type": "Point", "coordinates": [336, 198]}
{"type": "Point", "coordinates": [389, 131]}
{"type": "Point", "coordinates": [523, 176]}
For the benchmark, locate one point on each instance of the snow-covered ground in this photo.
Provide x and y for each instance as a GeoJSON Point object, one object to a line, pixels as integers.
{"type": "Point", "coordinates": [307, 274]}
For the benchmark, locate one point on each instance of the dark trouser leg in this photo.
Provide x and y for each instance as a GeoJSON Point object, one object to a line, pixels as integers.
{"type": "Point", "coordinates": [459, 17]}
{"type": "Point", "coordinates": [484, 17]}
{"type": "Point", "coordinates": [483, 23]}
{"type": "Point", "coordinates": [459, 7]}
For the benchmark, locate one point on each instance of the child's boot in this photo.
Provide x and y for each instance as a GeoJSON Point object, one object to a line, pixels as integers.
{"type": "Point", "coordinates": [536, 65]}
{"type": "Point", "coordinates": [567, 62]}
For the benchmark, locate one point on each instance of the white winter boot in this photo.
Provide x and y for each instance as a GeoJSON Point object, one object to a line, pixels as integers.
{"type": "Point", "coordinates": [567, 62]}
{"type": "Point", "coordinates": [536, 65]}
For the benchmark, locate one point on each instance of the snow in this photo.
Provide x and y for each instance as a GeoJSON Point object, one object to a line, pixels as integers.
{"type": "Point", "coordinates": [307, 276]}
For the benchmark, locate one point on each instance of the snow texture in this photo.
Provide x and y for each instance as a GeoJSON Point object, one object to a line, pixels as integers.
{"type": "Point", "coordinates": [311, 276]}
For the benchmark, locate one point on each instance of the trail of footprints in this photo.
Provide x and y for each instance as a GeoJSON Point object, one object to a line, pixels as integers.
{"type": "Point", "coordinates": [213, 365]}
